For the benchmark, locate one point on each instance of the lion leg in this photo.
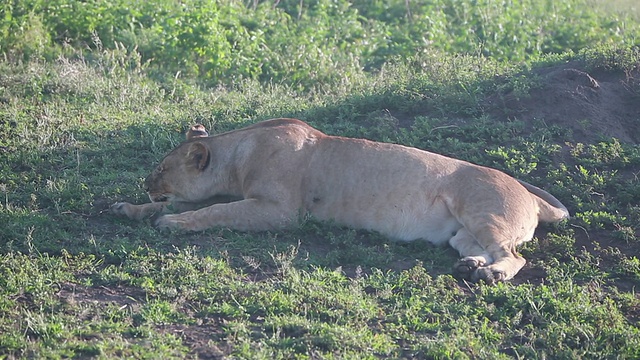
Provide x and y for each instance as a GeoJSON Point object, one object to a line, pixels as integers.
{"type": "Point", "coordinates": [497, 242]}
{"type": "Point", "coordinates": [472, 254]}
{"type": "Point", "coordinates": [501, 270]}
{"type": "Point", "coordinates": [485, 257]}
{"type": "Point", "coordinates": [243, 215]}
{"type": "Point", "coordinates": [138, 212]}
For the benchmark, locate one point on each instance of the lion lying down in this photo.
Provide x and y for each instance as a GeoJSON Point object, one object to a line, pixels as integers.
{"type": "Point", "coordinates": [280, 169]}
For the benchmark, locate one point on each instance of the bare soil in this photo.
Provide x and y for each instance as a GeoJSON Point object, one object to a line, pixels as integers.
{"type": "Point", "coordinates": [593, 105]}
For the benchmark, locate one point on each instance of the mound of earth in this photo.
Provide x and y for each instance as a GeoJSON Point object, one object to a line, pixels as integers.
{"type": "Point", "coordinates": [595, 105]}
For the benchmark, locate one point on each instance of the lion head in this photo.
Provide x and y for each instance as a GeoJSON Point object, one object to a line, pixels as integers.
{"type": "Point", "coordinates": [178, 177]}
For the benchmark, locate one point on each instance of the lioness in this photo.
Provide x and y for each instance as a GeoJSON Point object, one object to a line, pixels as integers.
{"type": "Point", "coordinates": [277, 170]}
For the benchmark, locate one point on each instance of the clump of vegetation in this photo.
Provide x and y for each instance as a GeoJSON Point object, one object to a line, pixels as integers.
{"type": "Point", "coordinates": [302, 43]}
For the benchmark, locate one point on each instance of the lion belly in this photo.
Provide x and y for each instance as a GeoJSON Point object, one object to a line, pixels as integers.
{"type": "Point", "coordinates": [433, 226]}
{"type": "Point", "coordinates": [402, 221]}
{"type": "Point", "coordinates": [386, 188]}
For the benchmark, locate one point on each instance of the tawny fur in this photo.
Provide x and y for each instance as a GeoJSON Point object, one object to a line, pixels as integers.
{"type": "Point", "coordinates": [268, 175]}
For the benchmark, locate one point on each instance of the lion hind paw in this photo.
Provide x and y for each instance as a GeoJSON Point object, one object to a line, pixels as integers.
{"type": "Point", "coordinates": [466, 266]}
{"type": "Point", "coordinates": [475, 269]}
{"type": "Point", "coordinates": [488, 275]}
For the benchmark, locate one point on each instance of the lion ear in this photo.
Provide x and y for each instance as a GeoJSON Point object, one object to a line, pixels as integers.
{"type": "Point", "coordinates": [198, 155]}
{"type": "Point", "coordinates": [196, 131]}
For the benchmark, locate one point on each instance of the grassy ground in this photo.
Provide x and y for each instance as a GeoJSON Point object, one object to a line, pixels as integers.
{"type": "Point", "coordinates": [81, 128]}
{"type": "Point", "coordinates": [78, 282]}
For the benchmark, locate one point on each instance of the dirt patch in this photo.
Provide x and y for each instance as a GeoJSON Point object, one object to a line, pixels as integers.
{"type": "Point", "coordinates": [122, 296]}
{"type": "Point", "coordinates": [200, 339]}
{"type": "Point", "coordinates": [593, 105]}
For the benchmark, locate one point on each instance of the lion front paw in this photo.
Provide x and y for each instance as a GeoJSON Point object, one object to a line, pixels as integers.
{"type": "Point", "coordinates": [122, 209]}
{"type": "Point", "coordinates": [137, 212]}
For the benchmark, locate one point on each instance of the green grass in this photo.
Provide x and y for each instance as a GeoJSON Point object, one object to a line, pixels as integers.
{"type": "Point", "coordinates": [77, 281]}
{"type": "Point", "coordinates": [305, 43]}
{"type": "Point", "coordinates": [81, 128]}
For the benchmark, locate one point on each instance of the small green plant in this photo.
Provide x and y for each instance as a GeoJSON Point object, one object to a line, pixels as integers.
{"type": "Point", "coordinates": [514, 161]}
{"type": "Point", "coordinates": [600, 219]}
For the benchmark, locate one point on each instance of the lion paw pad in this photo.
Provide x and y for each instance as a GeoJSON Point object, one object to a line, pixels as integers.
{"type": "Point", "coordinates": [489, 276]}
{"type": "Point", "coordinates": [466, 266]}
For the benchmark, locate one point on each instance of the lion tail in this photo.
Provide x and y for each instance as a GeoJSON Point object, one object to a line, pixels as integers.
{"type": "Point", "coordinates": [551, 209]}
